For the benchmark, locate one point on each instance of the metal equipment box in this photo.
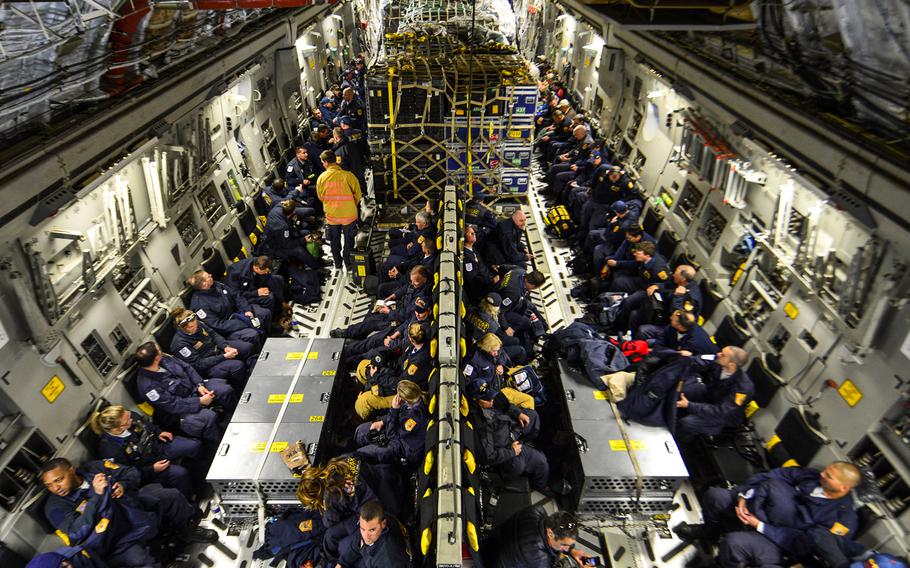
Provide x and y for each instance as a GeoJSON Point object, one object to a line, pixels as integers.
{"type": "Point", "coordinates": [263, 398]}
{"type": "Point", "coordinates": [323, 358]}
{"type": "Point", "coordinates": [246, 460]}
{"type": "Point", "coordinates": [583, 401]}
{"type": "Point", "coordinates": [280, 357]}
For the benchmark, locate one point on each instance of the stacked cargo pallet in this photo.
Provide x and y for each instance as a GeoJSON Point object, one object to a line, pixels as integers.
{"type": "Point", "coordinates": [285, 400]}
{"type": "Point", "coordinates": [443, 112]}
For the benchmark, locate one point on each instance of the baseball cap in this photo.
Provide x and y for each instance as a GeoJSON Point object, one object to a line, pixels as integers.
{"type": "Point", "coordinates": [493, 299]}
{"type": "Point", "coordinates": [619, 207]}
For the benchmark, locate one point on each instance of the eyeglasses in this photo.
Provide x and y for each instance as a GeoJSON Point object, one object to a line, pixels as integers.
{"type": "Point", "coordinates": [187, 319]}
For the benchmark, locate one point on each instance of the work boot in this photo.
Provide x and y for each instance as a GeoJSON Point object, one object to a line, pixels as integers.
{"type": "Point", "coordinates": [706, 531]}
{"type": "Point", "coordinates": [199, 534]}
{"type": "Point", "coordinates": [338, 333]}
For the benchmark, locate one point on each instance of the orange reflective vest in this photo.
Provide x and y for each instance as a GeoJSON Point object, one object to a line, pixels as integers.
{"type": "Point", "coordinates": [339, 192]}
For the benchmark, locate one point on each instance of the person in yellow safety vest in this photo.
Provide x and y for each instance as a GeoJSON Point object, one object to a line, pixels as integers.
{"type": "Point", "coordinates": [339, 192]}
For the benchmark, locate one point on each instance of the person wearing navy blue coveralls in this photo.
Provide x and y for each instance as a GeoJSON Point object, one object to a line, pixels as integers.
{"type": "Point", "coordinates": [278, 191]}
{"type": "Point", "coordinates": [518, 315]}
{"type": "Point", "coordinates": [679, 293]}
{"type": "Point", "coordinates": [651, 268]}
{"type": "Point", "coordinates": [129, 438]}
{"type": "Point", "coordinates": [140, 512]}
{"type": "Point", "coordinates": [404, 297]}
{"type": "Point", "coordinates": [714, 395]}
{"type": "Point", "coordinates": [405, 246]}
{"type": "Point", "coordinates": [476, 213]}
{"type": "Point", "coordinates": [779, 510]}
{"type": "Point", "coordinates": [352, 108]}
{"type": "Point", "coordinates": [485, 319]}
{"type": "Point", "coordinates": [176, 389]}
{"type": "Point", "coordinates": [505, 246]}
{"type": "Point", "coordinates": [71, 556]}
{"type": "Point", "coordinates": [683, 336]}
{"type": "Point", "coordinates": [609, 186]}
{"type": "Point", "coordinates": [300, 179]}
{"type": "Point", "coordinates": [477, 277]}
{"type": "Point", "coordinates": [284, 240]}
{"type": "Point", "coordinates": [404, 429]}
{"type": "Point", "coordinates": [391, 337]}
{"type": "Point", "coordinates": [206, 351]}
{"type": "Point", "coordinates": [228, 312]}
{"type": "Point", "coordinates": [252, 279]}
{"type": "Point", "coordinates": [621, 261]}
{"type": "Point", "coordinates": [379, 541]}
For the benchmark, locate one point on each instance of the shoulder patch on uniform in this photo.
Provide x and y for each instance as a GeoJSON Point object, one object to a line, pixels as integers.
{"type": "Point", "coordinates": [412, 369]}
{"type": "Point", "coordinates": [185, 351]}
{"type": "Point", "coordinates": [839, 529]}
{"type": "Point", "coordinates": [110, 465]}
{"type": "Point", "coordinates": [102, 525]}
{"type": "Point", "coordinates": [469, 267]}
{"type": "Point", "coordinates": [662, 275]}
{"type": "Point", "coordinates": [337, 159]}
{"type": "Point", "coordinates": [305, 525]}
{"type": "Point", "coordinates": [152, 395]}
{"type": "Point", "coordinates": [287, 234]}
{"type": "Point", "coordinates": [409, 424]}
{"type": "Point", "coordinates": [739, 398]}
{"type": "Point", "coordinates": [507, 301]}
{"type": "Point", "coordinates": [468, 369]}
{"type": "Point", "coordinates": [290, 169]}
{"type": "Point", "coordinates": [201, 313]}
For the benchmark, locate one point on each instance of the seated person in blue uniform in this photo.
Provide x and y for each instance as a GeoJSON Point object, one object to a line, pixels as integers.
{"type": "Point", "coordinates": [650, 268]}
{"type": "Point", "coordinates": [102, 507]}
{"type": "Point", "coordinates": [504, 245]}
{"type": "Point", "coordinates": [67, 557]}
{"type": "Point", "coordinates": [130, 438]}
{"type": "Point", "coordinates": [227, 311]}
{"type": "Point", "coordinates": [380, 542]}
{"type": "Point", "coordinates": [381, 374]}
{"type": "Point", "coordinates": [485, 319]}
{"type": "Point", "coordinates": [207, 351]}
{"type": "Point", "coordinates": [654, 304]}
{"type": "Point", "coordinates": [339, 489]}
{"type": "Point", "coordinates": [683, 337]}
{"type": "Point", "coordinates": [176, 389]}
{"type": "Point", "coordinates": [392, 337]}
{"type": "Point", "coordinates": [776, 512]}
{"type": "Point", "coordinates": [403, 298]}
{"type": "Point", "coordinates": [252, 279]}
{"type": "Point", "coordinates": [501, 430]}
{"type": "Point", "coordinates": [400, 434]}
{"type": "Point", "coordinates": [518, 315]}
{"type": "Point", "coordinates": [489, 365]}
{"type": "Point", "coordinates": [715, 395]}
{"type": "Point", "coordinates": [532, 539]}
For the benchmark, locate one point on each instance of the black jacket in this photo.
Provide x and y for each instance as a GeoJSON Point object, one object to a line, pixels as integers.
{"type": "Point", "coordinates": [521, 541]}
{"type": "Point", "coordinates": [390, 551]}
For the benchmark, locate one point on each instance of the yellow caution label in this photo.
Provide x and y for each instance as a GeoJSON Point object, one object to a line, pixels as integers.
{"type": "Point", "coordinates": [850, 393]}
{"type": "Point", "coordinates": [317, 418]}
{"type": "Point", "coordinates": [328, 373]}
{"type": "Point", "coordinates": [312, 355]}
{"type": "Point", "coordinates": [280, 398]}
{"type": "Point", "coordinates": [257, 448]}
{"type": "Point", "coordinates": [361, 270]}
{"type": "Point", "coordinates": [514, 134]}
{"type": "Point", "coordinates": [53, 389]}
{"type": "Point", "coordinates": [601, 395]}
{"type": "Point", "coordinates": [791, 310]}
{"type": "Point", "coordinates": [620, 445]}
{"type": "Point", "coordinates": [294, 356]}
{"type": "Point", "coordinates": [278, 447]}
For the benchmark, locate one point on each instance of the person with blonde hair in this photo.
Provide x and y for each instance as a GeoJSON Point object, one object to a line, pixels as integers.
{"type": "Point", "coordinates": [399, 435]}
{"type": "Point", "coordinates": [206, 350]}
{"type": "Point", "coordinates": [486, 319]}
{"type": "Point", "coordinates": [129, 438]}
{"type": "Point", "coordinates": [489, 366]}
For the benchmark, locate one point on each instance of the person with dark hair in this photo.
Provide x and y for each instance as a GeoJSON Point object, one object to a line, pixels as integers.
{"type": "Point", "coordinates": [677, 293]}
{"type": "Point", "coordinates": [285, 237]}
{"type": "Point", "coordinates": [682, 337]}
{"type": "Point", "coordinates": [352, 150]}
{"type": "Point", "coordinates": [279, 191]}
{"type": "Point", "coordinates": [518, 315]}
{"type": "Point", "coordinates": [340, 192]}
{"type": "Point", "coordinates": [477, 276]}
{"type": "Point", "coordinates": [176, 390]}
{"type": "Point", "coordinates": [651, 269]}
{"type": "Point", "coordinates": [380, 543]}
{"type": "Point", "coordinates": [505, 246]}
{"type": "Point", "coordinates": [102, 508]}
{"type": "Point", "coordinates": [252, 279]}
{"type": "Point", "coordinates": [300, 177]}
{"type": "Point", "coordinates": [532, 539]}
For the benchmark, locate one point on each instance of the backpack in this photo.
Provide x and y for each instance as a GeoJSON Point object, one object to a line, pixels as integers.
{"type": "Point", "coordinates": [305, 285]}
{"type": "Point", "coordinates": [634, 351]}
{"type": "Point", "coordinates": [295, 536]}
{"type": "Point", "coordinates": [525, 379]}
{"type": "Point", "coordinates": [558, 222]}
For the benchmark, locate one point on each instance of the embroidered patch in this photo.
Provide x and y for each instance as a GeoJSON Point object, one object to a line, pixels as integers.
{"type": "Point", "coordinates": [375, 390]}
{"type": "Point", "coordinates": [739, 398]}
{"type": "Point", "coordinates": [152, 395]}
{"type": "Point", "coordinates": [469, 267]}
{"type": "Point", "coordinates": [110, 465]}
{"type": "Point", "coordinates": [290, 169]}
{"type": "Point", "coordinates": [102, 525]}
{"type": "Point", "coordinates": [185, 351]}
{"type": "Point", "coordinates": [305, 526]}
{"type": "Point", "coordinates": [839, 529]}
{"type": "Point", "coordinates": [662, 275]}
{"type": "Point", "coordinates": [409, 424]}
{"type": "Point", "coordinates": [201, 313]}
{"type": "Point", "coordinates": [507, 301]}
{"type": "Point", "coordinates": [287, 234]}
{"type": "Point", "coordinates": [80, 508]}
{"type": "Point", "coordinates": [468, 369]}
{"type": "Point", "coordinates": [412, 369]}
